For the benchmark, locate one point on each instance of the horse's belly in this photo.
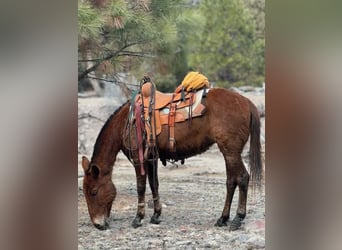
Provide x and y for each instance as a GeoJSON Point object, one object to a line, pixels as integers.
{"type": "Point", "coordinates": [190, 139]}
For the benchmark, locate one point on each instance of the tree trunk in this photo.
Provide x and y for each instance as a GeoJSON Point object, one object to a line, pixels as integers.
{"type": "Point", "coordinates": [94, 83]}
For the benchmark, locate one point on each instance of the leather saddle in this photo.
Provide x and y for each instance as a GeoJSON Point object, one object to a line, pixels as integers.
{"type": "Point", "coordinates": [168, 109]}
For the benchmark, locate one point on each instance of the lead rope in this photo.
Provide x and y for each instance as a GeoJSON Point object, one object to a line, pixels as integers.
{"type": "Point", "coordinates": [140, 127]}
{"type": "Point", "coordinates": [155, 153]}
{"type": "Point", "coordinates": [129, 128]}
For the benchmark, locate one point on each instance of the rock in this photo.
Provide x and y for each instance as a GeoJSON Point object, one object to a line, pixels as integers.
{"type": "Point", "coordinates": [185, 242]}
{"type": "Point", "coordinates": [256, 225]}
{"type": "Point", "coordinates": [211, 244]}
{"type": "Point", "coordinates": [256, 241]}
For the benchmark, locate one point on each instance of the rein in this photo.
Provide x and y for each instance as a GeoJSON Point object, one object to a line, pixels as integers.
{"type": "Point", "coordinates": [136, 127]}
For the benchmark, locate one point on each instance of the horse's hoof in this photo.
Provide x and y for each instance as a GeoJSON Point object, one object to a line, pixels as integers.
{"type": "Point", "coordinates": [155, 219]}
{"type": "Point", "coordinates": [235, 224]}
{"type": "Point", "coordinates": [222, 222]}
{"type": "Point", "coordinates": [137, 222]}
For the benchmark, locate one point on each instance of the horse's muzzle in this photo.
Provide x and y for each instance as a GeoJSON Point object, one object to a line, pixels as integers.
{"type": "Point", "coordinates": [101, 224]}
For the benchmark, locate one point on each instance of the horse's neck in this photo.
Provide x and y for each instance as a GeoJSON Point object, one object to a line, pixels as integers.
{"type": "Point", "coordinates": [109, 142]}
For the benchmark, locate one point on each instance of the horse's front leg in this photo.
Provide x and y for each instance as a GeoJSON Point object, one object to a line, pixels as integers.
{"type": "Point", "coordinates": [154, 185]}
{"type": "Point", "coordinates": [141, 188]}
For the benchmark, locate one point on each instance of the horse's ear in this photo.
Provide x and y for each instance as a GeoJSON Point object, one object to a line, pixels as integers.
{"type": "Point", "coordinates": [95, 171]}
{"type": "Point", "coordinates": [85, 164]}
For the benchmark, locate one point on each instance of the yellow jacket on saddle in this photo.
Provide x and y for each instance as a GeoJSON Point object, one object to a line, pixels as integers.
{"type": "Point", "coordinates": [193, 81]}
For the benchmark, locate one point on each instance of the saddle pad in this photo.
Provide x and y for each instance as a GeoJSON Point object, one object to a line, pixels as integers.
{"type": "Point", "coordinates": [182, 113]}
{"type": "Point", "coordinates": [164, 99]}
{"type": "Point", "coordinates": [197, 98]}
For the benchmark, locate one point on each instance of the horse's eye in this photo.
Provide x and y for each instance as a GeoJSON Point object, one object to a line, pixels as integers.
{"type": "Point", "coordinates": [93, 192]}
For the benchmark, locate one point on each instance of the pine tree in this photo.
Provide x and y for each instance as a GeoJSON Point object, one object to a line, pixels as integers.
{"type": "Point", "coordinates": [227, 48]}
{"type": "Point", "coordinates": [120, 35]}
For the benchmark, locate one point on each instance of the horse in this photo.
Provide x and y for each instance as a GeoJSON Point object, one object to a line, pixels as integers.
{"type": "Point", "coordinates": [230, 119]}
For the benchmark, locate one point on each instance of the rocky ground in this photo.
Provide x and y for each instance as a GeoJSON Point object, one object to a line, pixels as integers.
{"type": "Point", "coordinates": [192, 195]}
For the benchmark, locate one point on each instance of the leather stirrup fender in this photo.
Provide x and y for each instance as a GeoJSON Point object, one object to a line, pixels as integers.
{"type": "Point", "coordinates": [171, 124]}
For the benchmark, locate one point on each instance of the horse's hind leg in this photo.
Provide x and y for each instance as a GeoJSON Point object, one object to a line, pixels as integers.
{"type": "Point", "coordinates": [231, 184]}
{"type": "Point", "coordinates": [154, 185]}
{"type": "Point", "coordinates": [242, 181]}
{"type": "Point", "coordinates": [141, 188]}
{"type": "Point", "coordinates": [236, 176]}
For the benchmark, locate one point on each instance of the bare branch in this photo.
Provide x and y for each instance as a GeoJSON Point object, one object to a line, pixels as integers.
{"type": "Point", "coordinates": [90, 60]}
{"type": "Point", "coordinates": [88, 115]}
{"type": "Point", "coordinates": [135, 53]}
{"type": "Point", "coordinates": [116, 82]}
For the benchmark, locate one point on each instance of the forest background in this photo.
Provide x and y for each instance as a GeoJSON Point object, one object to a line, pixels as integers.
{"type": "Point", "coordinates": [119, 41]}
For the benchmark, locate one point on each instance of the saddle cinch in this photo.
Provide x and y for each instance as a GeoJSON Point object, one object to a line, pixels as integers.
{"type": "Point", "coordinates": [187, 102]}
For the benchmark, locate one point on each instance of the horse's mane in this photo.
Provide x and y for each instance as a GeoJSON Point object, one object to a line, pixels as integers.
{"type": "Point", "coordinates": [117, 110]}
{"type": "Point", "coordinates": [112, 115]}
{"type": "Point", "coordinates": [104, 127]}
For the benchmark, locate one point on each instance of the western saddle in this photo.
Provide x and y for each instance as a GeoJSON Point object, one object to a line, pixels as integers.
{"type": "Point", "coordinates": [155, 109]}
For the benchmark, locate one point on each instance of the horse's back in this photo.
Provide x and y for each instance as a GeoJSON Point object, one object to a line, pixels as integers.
{"type": "Point", "coordinates": [229, 117]}
{"type": "Point", "coordinates": [226, 120]}
{"type": "Point", "coordinates": [231, 105]}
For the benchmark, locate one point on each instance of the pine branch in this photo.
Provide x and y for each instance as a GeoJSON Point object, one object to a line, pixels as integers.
{"type": "Point", "coordinates": [110, 56]}
{"type": "Point", "coordinates": [122, 53]}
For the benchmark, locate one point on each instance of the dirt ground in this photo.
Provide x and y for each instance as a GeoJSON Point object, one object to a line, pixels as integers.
{"type": "Point", "coordinates": [192, 196]}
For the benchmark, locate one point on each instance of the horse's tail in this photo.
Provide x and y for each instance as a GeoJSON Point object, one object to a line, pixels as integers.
{"type": "Point", "coordinates": [255, 148]}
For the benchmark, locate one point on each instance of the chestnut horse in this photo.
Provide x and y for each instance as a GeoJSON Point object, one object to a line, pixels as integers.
{"type": "Point", "coordinates": [228, 121]}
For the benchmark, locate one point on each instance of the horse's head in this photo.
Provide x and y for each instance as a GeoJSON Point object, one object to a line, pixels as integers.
{"type": "Point", "coordinates": [99, 192]}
